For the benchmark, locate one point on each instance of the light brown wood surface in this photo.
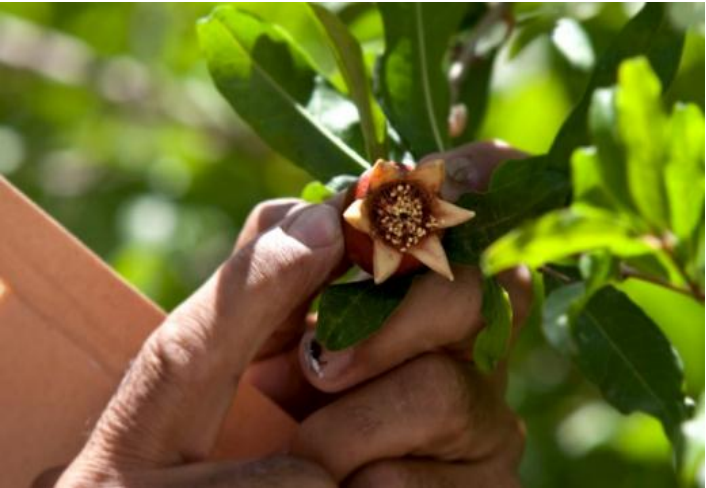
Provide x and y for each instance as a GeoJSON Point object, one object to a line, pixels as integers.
{"type": "Point", "coordinates": [68, 329]}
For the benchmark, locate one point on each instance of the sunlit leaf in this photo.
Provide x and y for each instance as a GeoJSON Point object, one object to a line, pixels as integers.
{"type": "Point", "coordinates": [524, 189]}
{"type": "Point", "coordinates": [684, 177]}
{"type": "Point", "coordinates": [643, 130]}
{"type": "Point", "coordinates": [349, 58]}
{"type": "Point", "coordinates": [268, 82]}
{"type": "Point", "coordinates": [573, 42]}
{"type": "Point", "coordinates": [564, 233]}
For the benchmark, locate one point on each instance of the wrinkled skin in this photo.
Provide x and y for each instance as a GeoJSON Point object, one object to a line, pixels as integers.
{"type": "Point", "coordinates": [405, 408]}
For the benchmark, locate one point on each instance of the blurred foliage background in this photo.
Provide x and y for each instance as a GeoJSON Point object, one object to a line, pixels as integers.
{"type": "Point", "coordinates": [110, 122]}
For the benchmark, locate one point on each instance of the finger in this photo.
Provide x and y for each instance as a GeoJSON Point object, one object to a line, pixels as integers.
{"type": "Point", "coordinates": [171, 403]}
{"type": "Point", "coordinates": [408, 473]}
{"type": "Point", "coordinates": [470, 167]}
{"type": "Point", "coordinates": [265, 216]}
{"type": "Point", "coordinates": [433, 406]}
{"type": "Point", "coordinates": [278, 471]}
{"type": "Point", "coordinates": [435, 314]}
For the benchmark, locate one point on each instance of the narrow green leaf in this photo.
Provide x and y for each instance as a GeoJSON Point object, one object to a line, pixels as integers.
{"type": "Point", "coordinates": [352, 312]}
{"type": "Point", "coordinates": [268, 82]}
{"type": "Point", "coordinates": [609, 163]}
{"type": "Point", "coordinates": [349, 57]}
{"type": "Point", "coordinates": [626, 355]}
{"type": "Point", "coordinates": [492, 343]}
{"type": "Point", "coordinates": [563, 233]}
{"type": "Point", "coordinates": [590, 185]}
{"type": "Point", "coordinates": [413, 89]}
{"type": "Point", "coordinates": [684, 176]}
{"type": "Point", "coordinates": [643, 131]}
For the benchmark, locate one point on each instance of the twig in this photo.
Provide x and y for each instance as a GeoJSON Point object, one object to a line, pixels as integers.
{"type": "Point", "coordinates": [468, 54]}
{"type": "Point", "coordinates": [693, 290]}
{"type": "Point", "coordinates": [555, 274]}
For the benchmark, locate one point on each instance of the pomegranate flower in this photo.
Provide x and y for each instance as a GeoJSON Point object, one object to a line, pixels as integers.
{"type": "Point", "coordinates": [398, 208]}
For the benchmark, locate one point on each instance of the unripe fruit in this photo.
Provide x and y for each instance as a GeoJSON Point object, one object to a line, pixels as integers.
{"type": "Point", "coordinates": [394, 219]}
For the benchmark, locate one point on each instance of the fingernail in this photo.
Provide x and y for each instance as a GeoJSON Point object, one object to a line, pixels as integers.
{"type": "Point", "coordinates": [316, 226]}
{"type": "Point", "coordinates": [322, 362]}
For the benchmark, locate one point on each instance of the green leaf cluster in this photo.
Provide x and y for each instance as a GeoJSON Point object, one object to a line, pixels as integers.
{"type": "Point", "coordinates": [619, 194]}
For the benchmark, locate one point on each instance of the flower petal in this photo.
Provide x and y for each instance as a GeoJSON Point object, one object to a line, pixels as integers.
{"type": "Point", "coordinates": [386, 260]}
{"type": "Point", "coordinates": [431, 175]}
{"type": "Point", "coordinates": [357, 215]}
{"type": "Point", "coordinates": [449, 215]}
{"type": "Point", "coordinates": [431, 253]}
{"type": "Point", "coordinates": [383, 172]}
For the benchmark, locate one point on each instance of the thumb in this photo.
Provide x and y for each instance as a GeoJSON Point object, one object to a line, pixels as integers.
{"type": "Point", "coordinates": [171, 403]}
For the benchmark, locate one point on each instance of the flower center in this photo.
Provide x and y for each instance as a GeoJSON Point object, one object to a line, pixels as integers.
{"type": "Point", "coordinates": [400, 213]}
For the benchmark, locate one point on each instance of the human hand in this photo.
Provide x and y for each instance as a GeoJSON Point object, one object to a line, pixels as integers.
{"type": "Point", "coordinates": [163, 421]}
{"type": "Point", "coordinates": [415, 411]}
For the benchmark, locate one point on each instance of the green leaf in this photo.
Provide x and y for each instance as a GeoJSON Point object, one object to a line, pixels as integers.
{"type": "Point", "coordinates": [573, 43]}
{"type": "Point", "coordinates": [563, 233]}
{"type": "Point", "coordinates": [649, 33]}
{"type": "Point", "coordinates": [626, 355]}
{"type": "Point", "coordinates": [598, 268]}
{"type": "Point", "coordinates": [609, 163]}
{"type": "Point", "coordinates": [316, 192]}
{"type": "Point", "coordinates": [352, 312]}
{"type": "Point", "coordinates": [531, 189]}
{"type": "Point", "coordinates": [684, 177]}
{"type": "Point", "coordinates": [349, 58]}
{"type": "Point", "coordinates": [413, 89]}
{"type": "Point", "coordinates": [559, 311]}
{"type": "Point", "coordinates": [590, 185]}
{"type": "Point", "coordinates": [301, 27]}
{"type": "Point", "coordinates": [643, 130]}
{"type": "Point", "coordinates": [492, 343]}
{"type": "Point", "coordinates": [684, 330]}
{"type": "Point", "coordinates": [268, 82]}
{"type": "Point", "coordinates": [524, 189]}
{"type": "Point", "coordinates": [337, 114]}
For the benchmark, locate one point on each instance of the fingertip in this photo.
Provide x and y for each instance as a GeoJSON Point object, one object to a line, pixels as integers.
{"type": "Point", "coordinates": [323, 369]}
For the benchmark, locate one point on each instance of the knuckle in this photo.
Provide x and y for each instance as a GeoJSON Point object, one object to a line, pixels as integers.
{"type": "Point", "coordinates": [363, 419]}
{"type": "Point", "coordinates": [444, 389]}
